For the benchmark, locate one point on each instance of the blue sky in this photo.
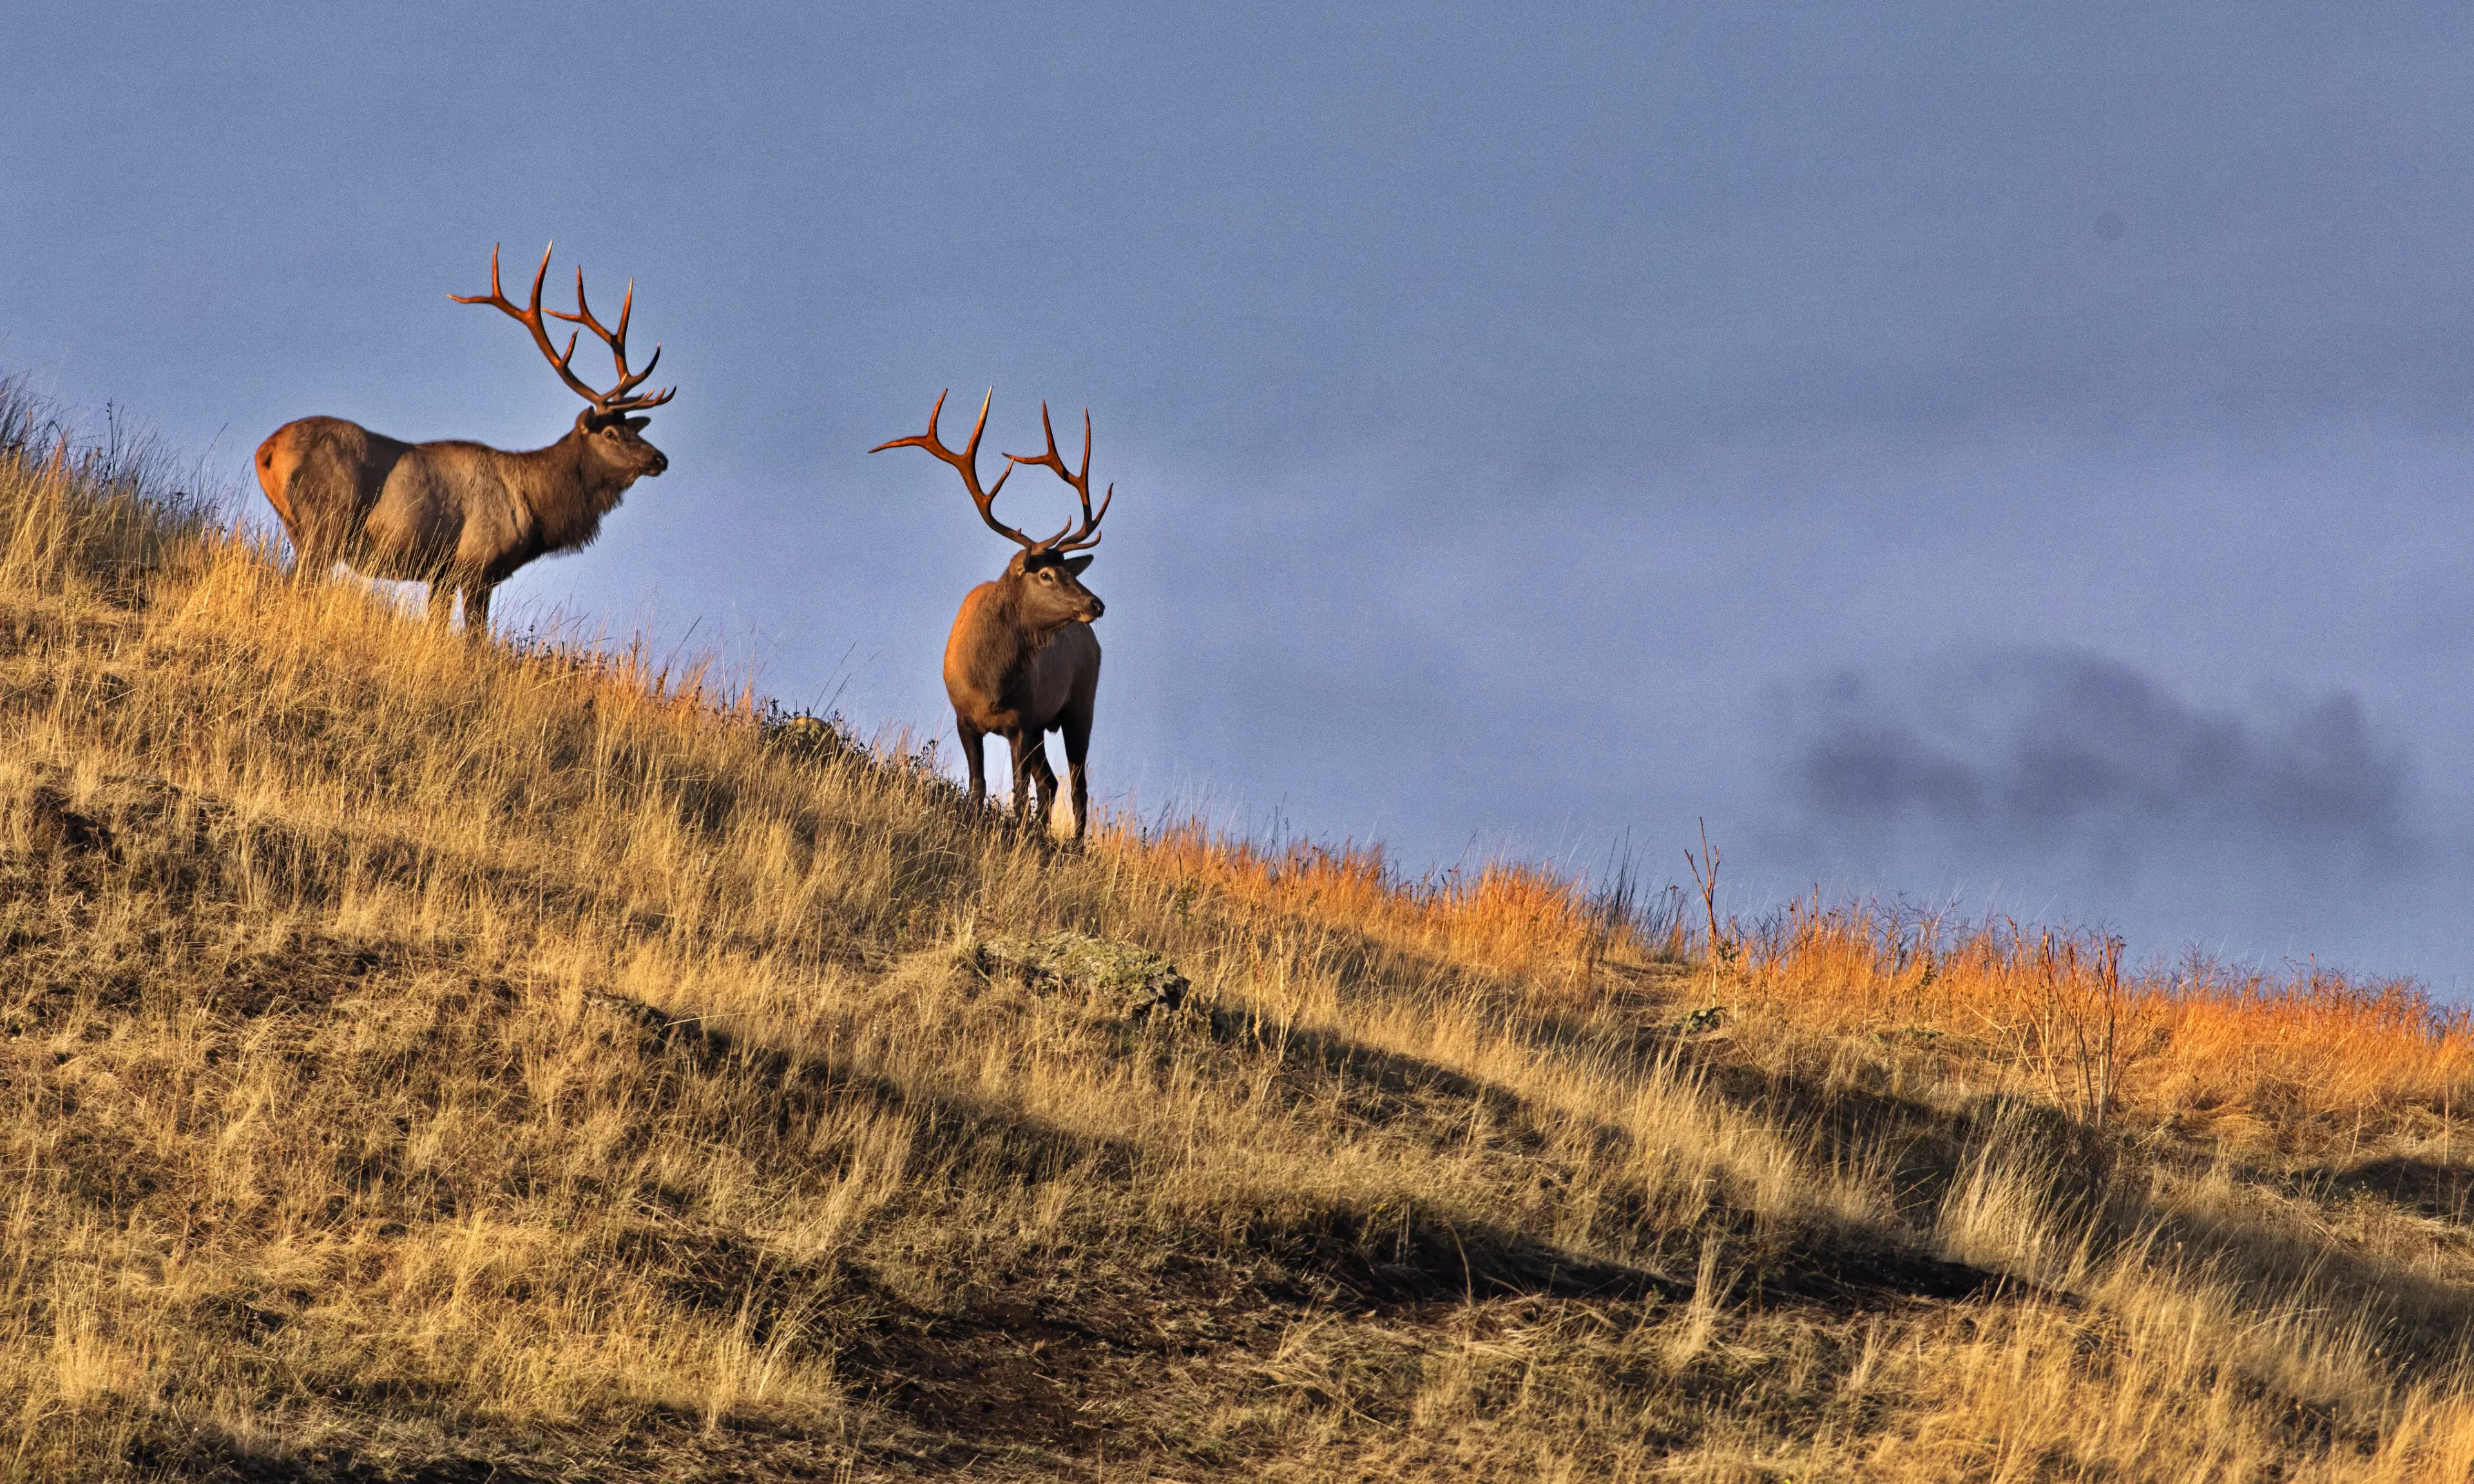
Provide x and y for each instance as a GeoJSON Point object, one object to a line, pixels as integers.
{"type": "Point", "coordinates": [2013, 452]}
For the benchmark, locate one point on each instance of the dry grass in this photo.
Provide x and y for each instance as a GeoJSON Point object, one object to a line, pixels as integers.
{"type": "Point", "coordinates": [428, 1057]}
{"type": "Point", "coordinates": [1506, 917]}
{"type": "Point", "coordinates": [2268, 1062]}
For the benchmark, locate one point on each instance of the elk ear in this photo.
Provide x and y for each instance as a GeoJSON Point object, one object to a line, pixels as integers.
{"type": "Point", "coordinates": [638, 424]}
{"type": "Point", "coordinates": [1074, 566]}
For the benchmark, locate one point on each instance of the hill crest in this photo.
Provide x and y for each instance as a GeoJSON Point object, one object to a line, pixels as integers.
{"type": "Point", "coordinates": [439, 1059]}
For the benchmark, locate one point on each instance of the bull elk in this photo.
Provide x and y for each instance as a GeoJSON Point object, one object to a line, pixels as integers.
{"type": "Point", "coordinates": [463, 516]}
{"type": "Point", "coordinates": [1022, 661]}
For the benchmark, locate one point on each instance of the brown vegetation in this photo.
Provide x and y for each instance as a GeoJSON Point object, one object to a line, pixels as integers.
{"type": "Point", "coordinates": [431, 1060]}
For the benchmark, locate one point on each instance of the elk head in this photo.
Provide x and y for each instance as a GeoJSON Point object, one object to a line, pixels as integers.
{"type": "Point", "coordinates": [1042, 581]}
{"type": "Point", "coordinates": [609, 431]}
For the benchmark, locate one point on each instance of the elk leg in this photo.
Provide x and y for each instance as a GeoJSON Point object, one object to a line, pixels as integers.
{"type": "Point", "coordinates": [441, 601]}
{"type": "Point", "coordinates": [1077, 726]}
{"type": "Point", "coordinates": [1033, 775]}
{"type": "Point", "coordinates": [476, 608]}
{"type": "Point", "coordinates": [1046, 778]}
{"type": "Point", "coordinates": [973, 753]}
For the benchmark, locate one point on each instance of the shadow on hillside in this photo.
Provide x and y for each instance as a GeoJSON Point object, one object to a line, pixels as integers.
{"type": "Point", "coordinates": [2427, 1187]}
{"type": "Point", "coordinates": [1375, 1086]}
{"type": "Point", "coordinates": [955, 1134]}
{"type": "Point", "coordinates": [1924, 1151]}
{"type": "Point", "coordinates": [192, 846]}
{"type": "Point", "coordinates": [1392, 1090]}
{"type": "Point", "coordinates": [1328, 1254]}
{"type": "Point", "coordinates": [1331, 1254]}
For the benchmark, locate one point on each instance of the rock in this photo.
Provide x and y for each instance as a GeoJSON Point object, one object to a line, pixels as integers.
{"type": "Point", "coordinates": [52, 827]}
{"type": "Point", "coordinates": [804, 736]}
{"type": "Point", "coordinates": [1136, 979]}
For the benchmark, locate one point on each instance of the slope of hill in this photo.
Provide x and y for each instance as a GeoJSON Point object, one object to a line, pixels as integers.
{"type": "Point", "coordinates": [447, 1060]}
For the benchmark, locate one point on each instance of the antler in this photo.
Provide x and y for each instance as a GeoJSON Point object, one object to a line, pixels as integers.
{"type": "Point", "coordinates": [614, 400]}
{"type": "Point", "coordinates": [966, 464]}
{"type": "Point", "coordinates": [1081, 482]}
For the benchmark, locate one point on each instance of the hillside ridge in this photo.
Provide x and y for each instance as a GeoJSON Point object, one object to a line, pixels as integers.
{"type": "Point", "coordinates": [442, 1058]}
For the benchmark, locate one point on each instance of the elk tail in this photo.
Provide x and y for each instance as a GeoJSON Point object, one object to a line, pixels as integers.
{"type": "Point", "coordinates": [276, 462]}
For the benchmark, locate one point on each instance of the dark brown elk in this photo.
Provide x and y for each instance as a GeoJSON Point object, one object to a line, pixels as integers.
{"type": "Point", "coordinates": [462, 517]}
{"type": "Point", "coordinates": [1022, 661]}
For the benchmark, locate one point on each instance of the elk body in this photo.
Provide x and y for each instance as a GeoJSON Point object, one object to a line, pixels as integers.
{"type": "Point", "coordinates": [1021, 660]}
{"type": "Point", "coordinates": [463, 516]}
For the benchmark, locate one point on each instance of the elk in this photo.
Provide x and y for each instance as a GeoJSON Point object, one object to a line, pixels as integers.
{"type": "Point", "coordinates": [463, 516]}
{"type": "Point", "coordinates": [1022, 661]}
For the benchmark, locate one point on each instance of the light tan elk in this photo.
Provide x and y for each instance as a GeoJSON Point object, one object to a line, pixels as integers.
{"type": "Point", "coordinates": [463, 516]}
{"type": "Point", "coordinates": [1022, 661]}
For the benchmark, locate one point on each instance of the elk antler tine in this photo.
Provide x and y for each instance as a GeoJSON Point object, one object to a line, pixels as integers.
{"type": "Point", "coordinates": [617, 398]}
{"type": "Point", "coordinates": [971, 449]}
{"type": "Point", "coordinates": [1048, 458]}
{"type": "Point", "coordinates": [494, 293]}
{"type": "Point", "coordinates": [965, 463]}
{"type": "Point", "coordinates": [1073, 537]}
{"type": "Point", "coordinates": [927, 440]}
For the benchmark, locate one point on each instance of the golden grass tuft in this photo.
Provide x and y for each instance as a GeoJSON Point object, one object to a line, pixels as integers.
{"type": "Point", "coordinates": [2193, 1041]}
{"type": "Point", "coordinates": [424, 1056]}
{"type": "Point", "coordinates": [1506, 916]}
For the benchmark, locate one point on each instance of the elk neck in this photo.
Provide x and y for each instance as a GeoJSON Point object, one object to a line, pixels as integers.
{"type": "Point", "coordinates": [567, 490]}
{"type": "Point", "coordinates": [1002, 636]}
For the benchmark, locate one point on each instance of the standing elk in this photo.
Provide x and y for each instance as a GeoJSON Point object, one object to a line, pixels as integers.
{"type": "Point", "coordinates": [1022, 661]}
{"type": "Point", "coordinates": [463, 516]}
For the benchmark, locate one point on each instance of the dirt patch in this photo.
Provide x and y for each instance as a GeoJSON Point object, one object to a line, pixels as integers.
{"type": "Point", "coordinates": [1072, 1367]}
{"type": "Point", "coordinates": [210, 1457]}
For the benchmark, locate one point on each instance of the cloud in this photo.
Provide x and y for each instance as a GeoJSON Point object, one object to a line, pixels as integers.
{"type": "Point", "coordinates": [2039, 753]}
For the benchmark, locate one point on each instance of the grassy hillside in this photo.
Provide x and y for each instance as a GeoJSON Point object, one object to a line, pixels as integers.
{"type": "Point", "coordinates": [434, 1058]}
